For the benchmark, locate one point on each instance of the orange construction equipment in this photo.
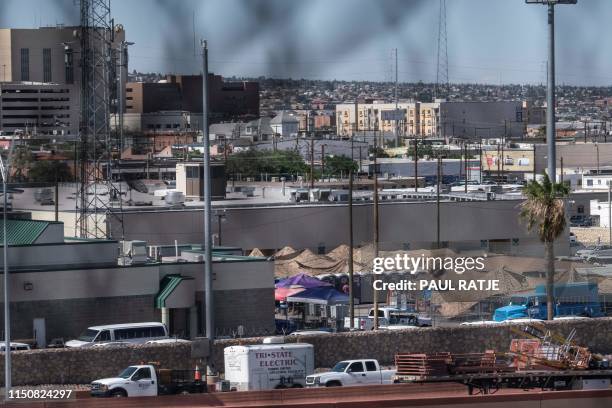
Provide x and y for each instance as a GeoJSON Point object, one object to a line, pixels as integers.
{"type": "Point", "coordinates": [197, 375]}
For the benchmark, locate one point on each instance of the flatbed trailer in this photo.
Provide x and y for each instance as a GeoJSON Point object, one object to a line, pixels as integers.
{"type": "Point", "coordinates": [489, 383]}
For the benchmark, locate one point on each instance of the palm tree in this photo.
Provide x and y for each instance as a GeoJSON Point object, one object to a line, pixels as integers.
{"type": "Point", "coordinates": [544, 208]}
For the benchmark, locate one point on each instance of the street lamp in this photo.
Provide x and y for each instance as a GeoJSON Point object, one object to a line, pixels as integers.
{"type": "Point", "coordinates": [550, 97]}
{"type": "Point", "coordinates": [4, 172]}
{"type": "Point", "coordinates": [123, 63]}
{"type": "Point", "coordinates": [220, 219]}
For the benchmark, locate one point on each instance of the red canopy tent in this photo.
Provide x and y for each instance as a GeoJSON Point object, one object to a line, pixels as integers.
{"type": "Point", "coordinates": [281, 294]}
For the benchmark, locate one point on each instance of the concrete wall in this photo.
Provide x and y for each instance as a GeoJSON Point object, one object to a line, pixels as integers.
{"type": "Point", "coordinates": [45, 256]}
{"type": "Point", "coordinates": [313, 226]}
{"type": "Point", "coordinates": [82, 366]}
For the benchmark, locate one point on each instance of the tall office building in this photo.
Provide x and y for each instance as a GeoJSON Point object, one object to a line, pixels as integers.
{"type": "Point", "coordinates": [40, 80]}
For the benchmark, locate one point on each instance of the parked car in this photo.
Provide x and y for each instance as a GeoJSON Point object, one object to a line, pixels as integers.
{"type": "Point", "coordinates": [112, 344]}
{"type": "Point", "coordinates": [15, 346]}
{"type": "Point", "coordinates": [350, 373]}
{"type": "Point", "coordinates": [147, 380]}
{"type": "Point", "coordinates": [317, 332]}
{"type": "Point", "coordinates": [592, 250]}
{"type": "Point", "coordinates": [166, 341]}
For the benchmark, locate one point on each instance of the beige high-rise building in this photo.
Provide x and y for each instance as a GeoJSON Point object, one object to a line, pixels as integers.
{"type": "Point", "coordinates": [40, 80]}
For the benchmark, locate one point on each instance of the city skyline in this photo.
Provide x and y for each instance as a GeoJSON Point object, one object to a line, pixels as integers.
{"type": "Point", "coordinates": [317, 40]}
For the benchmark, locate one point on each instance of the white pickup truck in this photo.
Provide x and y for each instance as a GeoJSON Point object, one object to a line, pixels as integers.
{"type": "Point", "coordinates": [352, 372]}
{"type": "Point", "coordinates": [148, 380]}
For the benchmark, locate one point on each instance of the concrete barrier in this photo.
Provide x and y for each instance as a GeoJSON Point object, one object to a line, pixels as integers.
{"type": "Point", "coordinates": [80, 366]}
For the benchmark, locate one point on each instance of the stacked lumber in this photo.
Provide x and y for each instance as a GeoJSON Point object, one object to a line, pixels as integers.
{"type": "Point", "coordinates": [423, 365]}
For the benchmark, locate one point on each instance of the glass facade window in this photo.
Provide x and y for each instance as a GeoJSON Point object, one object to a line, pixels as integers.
{"type": "Point", "coordinates": [25, 64]}
{"type": "Point", "coordinates": [47, 65]}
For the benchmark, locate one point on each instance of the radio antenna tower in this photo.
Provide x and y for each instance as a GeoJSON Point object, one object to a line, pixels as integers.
{"type": "Point", "coordinates": [442, 87]}
{"type": "Point", "coordinates": [98, 200]}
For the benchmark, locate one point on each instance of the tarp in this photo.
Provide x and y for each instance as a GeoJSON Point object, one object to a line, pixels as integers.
{"type": "Point", "coordinates": [321, 296]}
{"type": "Point", "coordinates": [280, 294]}
{"type": "Point", "coordinates": [303, 280]}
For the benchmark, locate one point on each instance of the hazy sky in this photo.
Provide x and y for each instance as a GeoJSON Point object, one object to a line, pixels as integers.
{"type": "Point", "coordinates": [489, 41]}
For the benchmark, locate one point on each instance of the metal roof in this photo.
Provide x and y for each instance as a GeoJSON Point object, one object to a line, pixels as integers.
{"type": "Point", "coordinates": [22, 232]}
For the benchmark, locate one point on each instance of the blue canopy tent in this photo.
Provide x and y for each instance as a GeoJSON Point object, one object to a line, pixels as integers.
{"type": "Point", "coordinates": [326, 295]}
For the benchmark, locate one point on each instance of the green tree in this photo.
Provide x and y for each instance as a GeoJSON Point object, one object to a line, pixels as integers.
{"type": "Point", "coordinates": [336, 165]}
{"type": "Point", "coordinates": [544, 209]}
{"type": "Point", "coordinates": [21, 161]}
{"type": "Point", "coordinates": [47, 171]}
{"type": "Point", "coordinates": [380, 152]}
{"type": "Point", "coordinates": [252, 163]}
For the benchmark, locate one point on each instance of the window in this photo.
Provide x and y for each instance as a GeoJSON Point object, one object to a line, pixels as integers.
{"type": "Point", "coordinates": [370, 366]}
{"type": "Point", "coordinates": [104, 336]}
{"type": "Point", "coordinates": [580, 209]}
{"type": "Point", "coordinates": [158, 331]}
{"type": "Point", "coordinates": [589, 182]}
{"type": "Point", "coordinates": [143, 373]}
{"type": "Point", "coordinates": [599, 182]}
{"type": "Point", "coordinates": [47, 65]}
{"type": "Point", "coordinates": [125, 334]}
{"type": "Point", "coordinates": [25, 64]}
{"type": "Point", "coordinates": [69, 63]}
{"type": "Point", "coordinates": [356, 367]}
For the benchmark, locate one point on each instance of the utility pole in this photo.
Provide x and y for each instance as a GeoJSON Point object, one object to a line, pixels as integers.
{"type": "Point", "coordinates": [396, 114]}
{"type": "Point", "coordinates": [502, 151]}
{"type": "Point", "coordinates": [498, 164]}
{"type": "Point", "coordinates": [208, 275]}
{"type": "Point", "coordinates": [311, 162]}
{"type": "Point", "coordinates": [376, 237]}
{"type": "Point", "coordinates": [416, 164]}
{"type": "Point", "coordinates": [350, 252]}
{"type": "Point", "coordinates": [585, 131]}
{"type": "Point", "coordinates": [438, 182]}
{"type": "Point", "coordinates": [359, 169]}
{"type": "Point", "coordinates": [597, 148]}
{"type": "Point", "coordinates": [534, 162]}
{"type": "Point", "coordinates": [465, 164]}
{"type": "Point", "coordinates": [561, 176]}
{"type": "Point", "coordinates": [609, 213]}
{"type": "Point", "coordinates": [480, 150]}
{"type": "Point", "coordinates": [322, 161]}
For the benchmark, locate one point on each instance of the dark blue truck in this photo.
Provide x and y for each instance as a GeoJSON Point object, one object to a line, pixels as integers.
{"type": "Point", "coordinates": [571, 299]}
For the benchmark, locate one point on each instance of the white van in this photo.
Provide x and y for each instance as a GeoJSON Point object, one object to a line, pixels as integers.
{"type": "Point", "coordinates": [135, 333]}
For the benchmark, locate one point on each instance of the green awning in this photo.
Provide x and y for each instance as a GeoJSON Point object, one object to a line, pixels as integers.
{"type": "Point", "coordinates": [166, 287]}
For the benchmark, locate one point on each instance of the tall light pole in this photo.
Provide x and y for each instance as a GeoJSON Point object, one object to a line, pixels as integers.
{"type": "Point", "coordinates": [208, 289]}
{"type": "Point", "coordinates": [4, 172]}
{"type": "Point", "coordinates": [550, 95]}
{"type": "Point", "coordinates": [123, 62]}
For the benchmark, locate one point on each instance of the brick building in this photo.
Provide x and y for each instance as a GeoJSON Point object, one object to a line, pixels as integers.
{"type": "Point", "coordinates": [228, 100]}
